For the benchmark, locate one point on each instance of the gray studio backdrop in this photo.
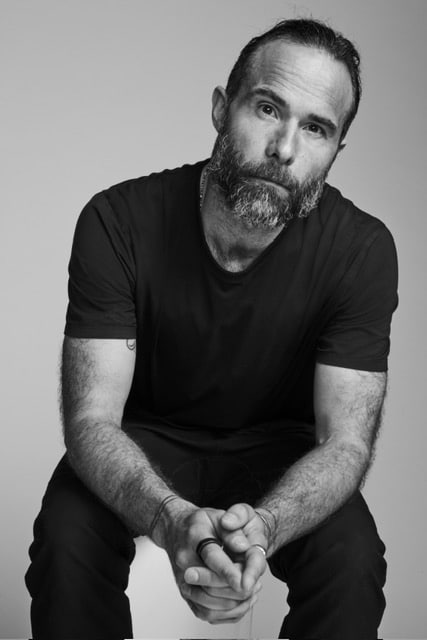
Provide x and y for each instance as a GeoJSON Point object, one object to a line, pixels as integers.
{"type": "Point", "coordinates": [97, 91]}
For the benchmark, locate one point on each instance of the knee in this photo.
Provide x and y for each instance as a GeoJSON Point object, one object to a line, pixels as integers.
{"type": "Point", "coordinates": [353, 545]}
{"type": "Point", "coordinates": [63, 530]}
{"type": "Point", "coordinates": [357, 557]}
{"type": "Point", "coordinates": [77, 542]}
{"type": "Point", "coordinates": [74, 526]}
{"type": "Point", "coordinates": [59, 545]}
{"type": "Point", "coordinates": [345, 549]}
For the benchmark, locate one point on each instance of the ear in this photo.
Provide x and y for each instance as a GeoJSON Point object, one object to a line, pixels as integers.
{"type": "Point", "coordinates": [342, 145]}
{"type": "Point", "coordinates": [219, 108]}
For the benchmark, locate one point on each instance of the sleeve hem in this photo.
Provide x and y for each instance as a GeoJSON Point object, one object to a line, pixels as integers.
{"type": "Point", "coordinates": [100, 331]}
{"type": "Point", "coordinates": [353, 363]}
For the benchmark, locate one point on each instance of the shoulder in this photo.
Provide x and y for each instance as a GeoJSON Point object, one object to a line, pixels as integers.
{"type": "Point", "coordinates": [151, 188]}
{"type": "Point", "coordinates": [129, 205]}
{"type": "Point", "coordinates": [351, 229]}
{"type": "Point", "coordinates": [335, 210]}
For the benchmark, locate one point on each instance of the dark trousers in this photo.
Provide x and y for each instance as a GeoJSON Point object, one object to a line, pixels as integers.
{"type": "Point", "coordinates": [81, 553]}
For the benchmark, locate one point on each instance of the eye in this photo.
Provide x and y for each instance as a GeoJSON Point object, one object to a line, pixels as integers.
{"type": "Point", "coordinates": [315, 129]}
{"type": "Point", "coordinates": [267, 109]}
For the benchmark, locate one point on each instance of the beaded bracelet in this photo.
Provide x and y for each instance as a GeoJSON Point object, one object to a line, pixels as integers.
{"type": "Point", "coordinates": [159, 512]}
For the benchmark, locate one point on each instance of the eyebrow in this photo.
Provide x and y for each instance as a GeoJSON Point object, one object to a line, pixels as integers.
{"type": "Point", "coordinates": [272, 95]}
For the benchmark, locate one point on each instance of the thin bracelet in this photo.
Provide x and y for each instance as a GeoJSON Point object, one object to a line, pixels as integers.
{"type": "Point", "coordinates": [267, 524]}
{"type": "Point", "coordinates": [159, 512]}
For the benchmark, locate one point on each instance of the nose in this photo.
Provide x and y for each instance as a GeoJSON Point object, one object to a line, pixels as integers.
{"type": "Point", "coordinates": [284, 144]}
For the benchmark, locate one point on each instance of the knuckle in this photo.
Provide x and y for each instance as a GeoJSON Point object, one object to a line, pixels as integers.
{"type": "Point", "coordinates": [185, 590]}
{"type": "Point", "coordinates": [225, 575]}
{"type": "Point", "coordinates": [205, 578]}
{"type": "Point", "coordinates": [248, 593]}
{"type": "Point", "coordinates": [243, 508]}
{"type": "Point", "coordinates": [210, 616]}
{"type": "Point", "coordinates": [180, 558]}
{"type": "Point", "coordinates": [198, 612]}
{"type": "Point", "coordinates": [198, 514]}
{"type": "Point", "coordinates": [239, 616]}
{"type": "Point", "coordinates": [192, 520]}
{"type": "Point", "coordinates": [192, 531]}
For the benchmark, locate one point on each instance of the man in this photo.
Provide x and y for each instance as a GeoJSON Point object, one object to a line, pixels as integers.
{"type": "Point", "coordinates": [224, 368]}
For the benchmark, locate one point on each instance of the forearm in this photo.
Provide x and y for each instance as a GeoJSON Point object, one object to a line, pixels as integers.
{"type": "Point", "coordinates": [312, 489]}
{"type": "Point", "coordinates": [119, 473]}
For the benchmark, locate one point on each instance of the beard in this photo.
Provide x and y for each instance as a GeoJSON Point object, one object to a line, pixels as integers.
{"type": "Point", "coordinates": [259, 204]}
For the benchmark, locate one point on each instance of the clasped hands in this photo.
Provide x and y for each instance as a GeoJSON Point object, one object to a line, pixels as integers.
{"type": "Point", "coordinates": [221, 584]}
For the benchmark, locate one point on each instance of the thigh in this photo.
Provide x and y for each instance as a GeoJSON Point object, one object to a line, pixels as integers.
{"type": "Point", "coordinates": [80, 560]}
{"type": "Point", "coordinates": [348, 538]}
{"type": "Point", "coordinates": [72, 515]}
{"type": "Point", "coordinates": [335, 576]}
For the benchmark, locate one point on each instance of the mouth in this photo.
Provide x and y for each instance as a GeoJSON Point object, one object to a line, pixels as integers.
{"type": "Point", "coordinates": [278, 185]}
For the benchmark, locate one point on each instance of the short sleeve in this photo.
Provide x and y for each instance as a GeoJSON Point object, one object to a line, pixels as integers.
{"type": "Point", "coordinates": [101, 276]}
{"type": "Point", "coordinates": [357, 335]}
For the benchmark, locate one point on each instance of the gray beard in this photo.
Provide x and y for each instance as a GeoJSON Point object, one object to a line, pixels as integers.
{"type": "Point", "coordinates": [259, 204]}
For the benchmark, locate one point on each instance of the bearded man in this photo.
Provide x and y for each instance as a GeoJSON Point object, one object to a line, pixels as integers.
{"type": "Point", "coordinates": [224, 368]}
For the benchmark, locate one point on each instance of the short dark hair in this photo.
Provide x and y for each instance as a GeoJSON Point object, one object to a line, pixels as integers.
{"type": "Point", "coordinates": [309, 32]}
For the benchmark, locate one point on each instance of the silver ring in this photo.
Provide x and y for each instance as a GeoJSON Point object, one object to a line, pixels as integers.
{"type": "Point", "coordinates": [261, 548]}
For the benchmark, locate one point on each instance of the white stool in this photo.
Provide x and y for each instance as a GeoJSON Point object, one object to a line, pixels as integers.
{"type": "Point", "coordinates": [158, 611]}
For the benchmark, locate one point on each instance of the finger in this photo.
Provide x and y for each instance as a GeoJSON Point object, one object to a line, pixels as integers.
{"type": "Point", "coordinates": [226, 592]}
{"type": "Point", "coordinates": [237, 516]}
{"type": "Point", "coordinates": [233, 522]}
{"type": "Point", "coordinates": [253, 533]}
{"type": "Point", "coordinates": [235, 542]}
{"type": "Point", "coordinates": [223, 616]}
{"type": "Point", "coordinates": [204, 577]}
{"type": "Point", "coordinates": [254, 567]}
{"type": "Point", "coordinates": [229, 621]}
{"type": "Point", "coordinates": [198, 596]}
{"type": "Point", "coordinates": [218, 561]}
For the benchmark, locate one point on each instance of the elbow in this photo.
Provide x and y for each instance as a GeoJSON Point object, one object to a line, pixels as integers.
{"type": "Point", "coordinates": [68, 438]}
{"type": "Point", "coordinates": [355, 453]}
{"type": "Point", "coordinates": [76, 432]}
{"type": "Point", "coordinates": [71, 442]}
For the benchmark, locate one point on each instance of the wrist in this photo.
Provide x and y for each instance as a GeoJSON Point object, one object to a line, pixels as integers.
{"type": "Point", "coordinates": [269, 521]}
{"type": "Point", "coordinates": [169, 514]}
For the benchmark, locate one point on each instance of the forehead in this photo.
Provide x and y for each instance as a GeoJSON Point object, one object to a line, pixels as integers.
{"type": "Point", "coordinates": [303, 75]}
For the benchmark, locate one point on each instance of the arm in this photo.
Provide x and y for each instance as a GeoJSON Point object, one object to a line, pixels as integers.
{"type": "Point", "coordinates": [96, 379]}
{"type": "Point", "coordinates": [347, 403]}
{"type": "Point", "coordinates": [347, 407]}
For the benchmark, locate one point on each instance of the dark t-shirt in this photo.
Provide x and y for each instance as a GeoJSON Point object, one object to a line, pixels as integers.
{"type": "Point", "coordinates": [218, 350]}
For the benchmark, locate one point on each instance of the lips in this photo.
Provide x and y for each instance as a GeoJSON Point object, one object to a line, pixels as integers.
{"type": "Point", "coordinates": [271, 181]}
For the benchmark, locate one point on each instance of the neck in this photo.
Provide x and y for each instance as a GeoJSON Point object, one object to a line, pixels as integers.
{"type": "Point", "coordinates": [233, 244]}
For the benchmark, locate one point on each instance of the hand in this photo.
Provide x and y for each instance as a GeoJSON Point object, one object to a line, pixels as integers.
{"type": "Point", "coordinates": [242, 528]}
{"type": "Point", "coordinates": [214, 601]}
{"type": "Point", "coordinates": [213, 590]}
{"type": "Point", "coordinates": [239, 528]}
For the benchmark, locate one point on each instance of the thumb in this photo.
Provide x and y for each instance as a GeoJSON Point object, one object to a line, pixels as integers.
{"type": "Point", "coordinates": [237, 516]}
